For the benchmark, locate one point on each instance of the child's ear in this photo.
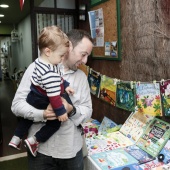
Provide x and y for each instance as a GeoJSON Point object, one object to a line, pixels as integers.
{"type": "Point", "coordinates": [47, 52]}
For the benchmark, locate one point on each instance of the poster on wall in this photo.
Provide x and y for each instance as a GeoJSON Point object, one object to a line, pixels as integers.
{"type": "Point", "coordinates": [97, 27]}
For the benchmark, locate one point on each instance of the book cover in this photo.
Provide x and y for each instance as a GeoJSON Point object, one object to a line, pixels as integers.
{"type": "Point", "coordinates": [108, 90]}
{"type": "Point", "coordinates": [90, 129]}
{"type": "Point", "coordinates": [101, 143]}
{"type": "Point", "coordinates": [165, 95]}
{"type": "Point", "coordinates": [84, 68]}
{"type": "Point", "coordinates": [125, 96]}
{"type": "Point", "coordinates": [162, 167]}
{"type": "Point", "coordinates": [94, 80]}
{"type": "Point", "coordinates": [152, 165]}
{"type": "Point", "coordinates": [133, 166]}
{"type": "Point", "coordinates": [155, 137]}
{"type": "Point", "coordinates": [113, 159]}
{"type": "Point", "coordinates": [105, 125]}
{"type": "Point", "coordinates": [135, 125]}
{"type": "Point", "coordinates": [139, 154]}
{"type": "Point", "coordinates": [148, 98]}
{"type": "Point", "coordinates": [121, 139]}
{"type": "Point", "coordinates": [107, 142]}
{"type": "Point", "coordinates": [164, 155]}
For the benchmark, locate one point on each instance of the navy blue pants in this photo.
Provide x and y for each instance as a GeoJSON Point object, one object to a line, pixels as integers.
{"type": "Point", "coordinates": [44, 162]}
{"type": "Point", "coordinates": [38, 101]}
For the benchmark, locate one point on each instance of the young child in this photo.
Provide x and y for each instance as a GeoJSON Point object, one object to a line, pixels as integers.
{"type": "Point", "coordinates": [47, 87]}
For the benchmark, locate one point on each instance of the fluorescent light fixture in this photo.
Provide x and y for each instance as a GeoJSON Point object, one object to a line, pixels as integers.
{"type": "Point", "coordinates": [1, 15]}
{"type": "Point", "coordinates": [4, 6]}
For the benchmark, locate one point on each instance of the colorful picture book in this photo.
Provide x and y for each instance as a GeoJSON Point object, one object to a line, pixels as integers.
{"type": "Point", "coordinates": [139, 154]}
{"type": "Point", "coordinates": [113, 159]}
{"type": "Point", "coordinates": [105, 125]}
{"type": "Point", "coordinates": [165, 94]}
{"type": "Point", "coordinates": [125, 96]}
{"type": "Point", "coordinates": [149, 99]}
{"type": "Point", "coordinates": [108, 90]}
{"type": "Point", "coordinates": [107, 142]}
{"type": "Point", "coordinates": [135, 125]}
{"type": "Point", "coordinates": [101, 144]}
{"type": "Point", "coordinates": [94, 79]}
{"type": "Point", "coordinates": [152, 165]}
{"type": "Point", "coordinates": [133, 166]}
{"type": "Point", "coordinates": [90, 129]}
{"type": "Point", "coordinates": [121, 139]}
{"type": "Point", "coordinates": [155, 137]}
{"type": "Point", "coordinates": [84, 68]}
{"type": "Point", "coordinates": [164, 155]}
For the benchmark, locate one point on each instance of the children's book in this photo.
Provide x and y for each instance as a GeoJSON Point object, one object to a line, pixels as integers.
{"type": "Point", "coordinates": [125, 96]}
{"type": "Point", "coordinates": [165, 94]}
{"type": "Point", "coordinates": [135, 125]}
{"type": "Point", "coordinates": [133, 166]}
{"type": "Point", "coordinates": [113, 159]}
{"type": "Point", "coordinates": [107, 142]}
{"type": "Point", "coordinates": [121, 139]}
{"type": "Point", "coordinates": [164, 155]}
{"type": "Point", "coordinates": [84, 68]}
{"type": "Point", "coordinates": [105, 125]}
{"type": "Point", "coordinates": [94, 80]}
{"type": "Point", "coordinates": [90, 129]}
{"type": "Point", "coordinates": [148, 98]}
{"type": "Point", "coordinates": [100, 143]}
{"type": "Point", "coordinates": [108, 90]}
{"type": "Point", "coordinates": [152, 165]}
{"type": "Point", "coordinates": [155, 137]}
{"type": "Point", "coordinates": [139, 154]}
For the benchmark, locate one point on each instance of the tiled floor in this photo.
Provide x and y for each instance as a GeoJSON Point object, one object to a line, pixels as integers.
{"type": "Point", "coordinates": [8, 119]}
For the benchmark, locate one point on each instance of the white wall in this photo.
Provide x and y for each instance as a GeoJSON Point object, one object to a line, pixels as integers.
{"type": "Point", "coordinates": [22, 49]}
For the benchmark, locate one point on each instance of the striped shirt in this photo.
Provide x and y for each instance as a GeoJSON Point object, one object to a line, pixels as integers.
{"type": "Point", "coordinates": [47, 79]}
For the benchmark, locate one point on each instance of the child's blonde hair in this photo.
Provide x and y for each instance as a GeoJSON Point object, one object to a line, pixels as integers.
{"type": "Point", "coordinates": [52, 37]}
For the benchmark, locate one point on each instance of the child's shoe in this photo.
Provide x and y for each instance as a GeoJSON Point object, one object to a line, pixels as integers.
{"type": "Point", "coordinates": [15, 142]}
{"type": "Point", "coordinates": [32, 145]}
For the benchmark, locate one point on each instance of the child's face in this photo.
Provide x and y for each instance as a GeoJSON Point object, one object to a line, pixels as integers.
{"type": "Point", "coordinates": [56, 56]}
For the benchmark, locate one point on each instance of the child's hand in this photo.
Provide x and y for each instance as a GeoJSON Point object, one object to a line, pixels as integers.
{"type": "Point", "coordinates": [69, 90]}
{"type": "Point", "coordinates": [63, 117]}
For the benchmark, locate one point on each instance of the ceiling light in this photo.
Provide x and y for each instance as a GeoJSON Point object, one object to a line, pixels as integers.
{"type": "Point", "coordinates": [4, 6]}
{"type": "Point", "coordinates": [1, 15]}
{"type": "Point", "coordinates": [0, 21]}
